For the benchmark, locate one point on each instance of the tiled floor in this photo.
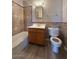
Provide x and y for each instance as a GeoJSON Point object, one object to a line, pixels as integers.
{"type": "Point", "coordinates": [37, 52]}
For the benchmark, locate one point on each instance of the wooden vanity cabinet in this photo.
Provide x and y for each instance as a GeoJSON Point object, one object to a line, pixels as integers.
{"type": "Point", "coordinates": [37, 36]}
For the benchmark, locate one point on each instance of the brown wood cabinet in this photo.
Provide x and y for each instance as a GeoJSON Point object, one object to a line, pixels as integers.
{"type": "Point", "coordinates": [37, 36]}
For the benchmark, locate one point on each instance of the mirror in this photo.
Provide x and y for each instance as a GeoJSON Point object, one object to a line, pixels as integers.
{"type": "Point", "coordinates": [39, 12]}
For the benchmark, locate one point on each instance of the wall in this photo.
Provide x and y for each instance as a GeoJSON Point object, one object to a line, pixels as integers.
{"type": "Point", "coordinates": [52, 10]}
{"type": "Point", "coordinates": [27, 16]}
{"type": "Point", "coordinates": [64, 10]}
{"type": "Point", "coordinates": [17, 16]}
{"type": "Point", "coordinates": [63, 32]}
{"type": "Point", "coordinates": [64, 25]}
{"type": "Point", "coordinates": [20, 2]}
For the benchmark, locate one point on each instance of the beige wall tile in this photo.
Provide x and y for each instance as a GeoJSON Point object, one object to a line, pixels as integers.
{"type": "Point", "coordinates": [17, 18]}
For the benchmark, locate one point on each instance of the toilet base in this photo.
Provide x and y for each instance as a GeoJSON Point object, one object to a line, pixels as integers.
{"type": "Point", "coordinates": [55, 50]}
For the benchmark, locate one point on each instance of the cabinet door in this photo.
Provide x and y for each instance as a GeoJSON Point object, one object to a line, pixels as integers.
{"type": "Point", "coordinates": [32, 37]}
{"type": "Point", "coordinates": [36, 36]}
{"type": "Point", "coordinates": [40, 37]}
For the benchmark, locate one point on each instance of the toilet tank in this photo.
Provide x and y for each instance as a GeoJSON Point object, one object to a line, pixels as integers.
{"type": "Point", "coordinates": [53, 32]}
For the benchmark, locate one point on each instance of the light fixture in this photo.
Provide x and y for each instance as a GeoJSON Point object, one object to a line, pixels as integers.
{"type": "Point", "coordinates": [39, 2]}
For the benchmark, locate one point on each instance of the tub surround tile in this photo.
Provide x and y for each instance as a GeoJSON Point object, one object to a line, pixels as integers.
{"type": "Point", "coordinates": [17, 18]}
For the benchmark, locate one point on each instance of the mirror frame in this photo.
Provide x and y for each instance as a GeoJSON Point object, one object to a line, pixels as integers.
{"type": "Point", "coordinates": [39, 12]}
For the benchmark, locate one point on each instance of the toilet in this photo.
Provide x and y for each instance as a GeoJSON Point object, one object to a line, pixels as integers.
{"type": "Point", "coordinates": [55, 41]}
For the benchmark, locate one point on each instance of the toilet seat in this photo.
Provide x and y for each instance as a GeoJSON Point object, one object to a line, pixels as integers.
{"type": "Point", "coordinates": [58, 44]}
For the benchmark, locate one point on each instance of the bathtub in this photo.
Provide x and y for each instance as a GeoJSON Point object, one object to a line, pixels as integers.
{"type": "Point", "coordinates": [20, 40]}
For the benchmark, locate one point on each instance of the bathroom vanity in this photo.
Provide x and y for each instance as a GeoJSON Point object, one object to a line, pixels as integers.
{"type": "Point", "coordinates": [37, 34]}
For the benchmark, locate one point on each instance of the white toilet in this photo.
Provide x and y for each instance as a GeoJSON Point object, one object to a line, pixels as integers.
{"type": "Point", "coordinates": [55, 42]}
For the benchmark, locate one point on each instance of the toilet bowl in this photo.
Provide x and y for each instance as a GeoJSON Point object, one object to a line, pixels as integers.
{"type": "Point", "coordinates": [55, 42]}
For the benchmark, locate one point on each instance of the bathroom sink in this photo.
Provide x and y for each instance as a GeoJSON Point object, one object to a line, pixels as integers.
{"type": "Point", "coordinates": [41, 26]}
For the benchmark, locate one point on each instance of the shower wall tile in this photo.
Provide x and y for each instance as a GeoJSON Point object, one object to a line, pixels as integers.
{"type": "Point", "coordinates": [17, 18]}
